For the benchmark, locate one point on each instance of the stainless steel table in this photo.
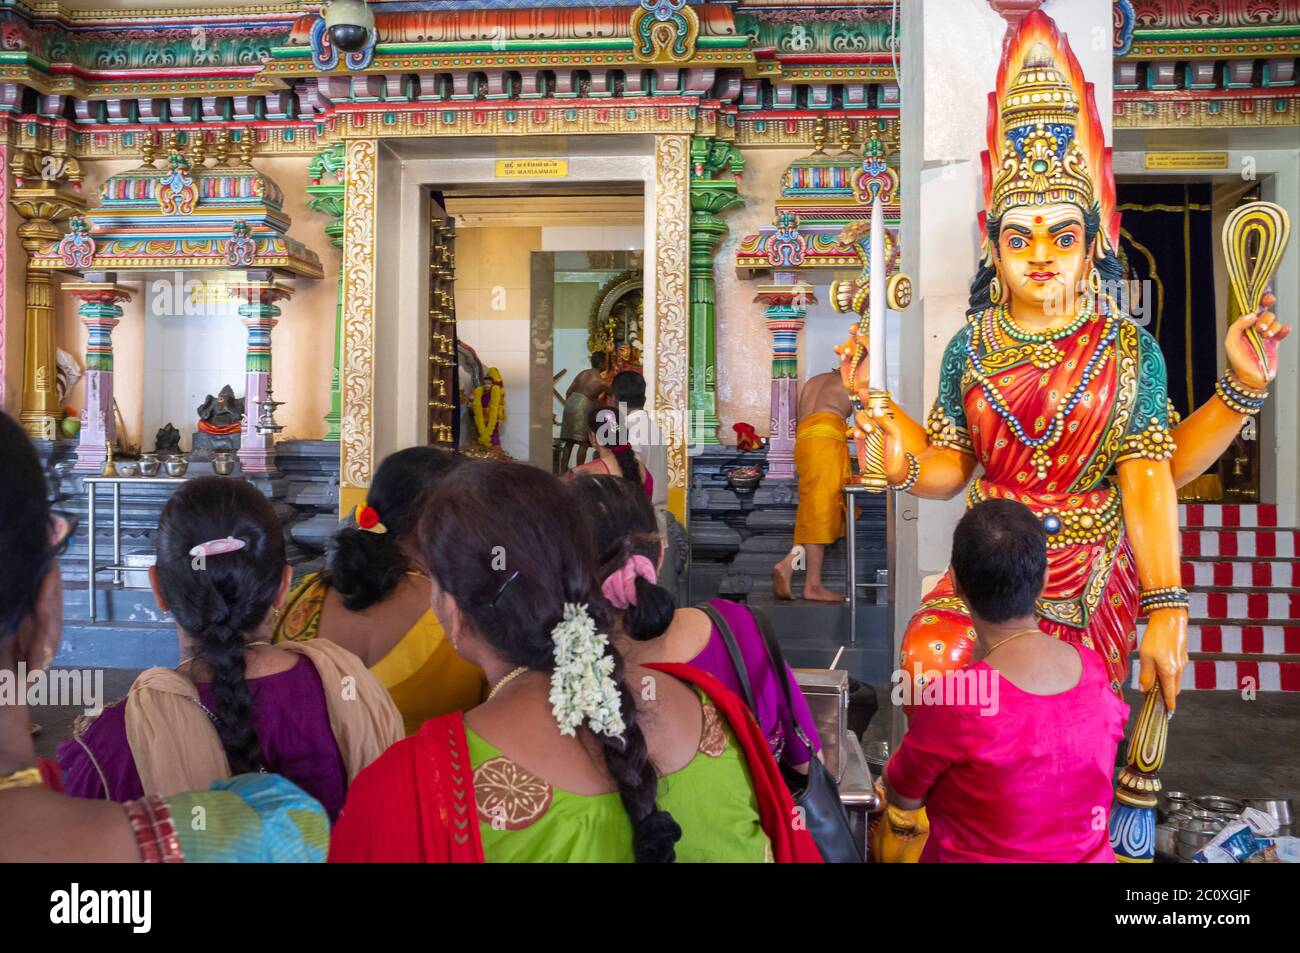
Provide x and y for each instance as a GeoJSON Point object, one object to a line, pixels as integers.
{"type": "Point", "coordinates": [857, 789]}
{"type": "Point", "coordinates": [92, 483]}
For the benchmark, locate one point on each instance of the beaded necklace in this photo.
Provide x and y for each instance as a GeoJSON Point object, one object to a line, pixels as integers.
{"type": "Point", "coordinates": [1038, 346]}
{"type": "Point", "coordinates": [1017, 333]}
{"type": "Point", "coordinates": [1040, 445]}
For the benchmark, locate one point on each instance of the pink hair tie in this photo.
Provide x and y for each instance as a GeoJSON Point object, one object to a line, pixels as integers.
{"type": "Point", "coordinates": [619, 586]}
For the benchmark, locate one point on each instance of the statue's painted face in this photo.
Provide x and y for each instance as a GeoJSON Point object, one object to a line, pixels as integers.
{"type": "Point", "coordinates": [1042, 255]}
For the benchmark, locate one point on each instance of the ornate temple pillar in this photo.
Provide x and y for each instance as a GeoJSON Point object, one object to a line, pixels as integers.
{"type": "Point", "coordinates": [42, 203]}
{"type": "Point", "coordinates": [4, 231]}
{"type": "Point", "coordinates": [710, 197]}
{"type": "Point", "coordinates": [100, 310]}
{"type": "Point", "coordinates": [785, 307]}
{"type": "Point", "coordinates": [258, 295]}
{"type": "Point", "coordinates": [356, 429]}
{"type": "Point", "coordinates": [325, 173]}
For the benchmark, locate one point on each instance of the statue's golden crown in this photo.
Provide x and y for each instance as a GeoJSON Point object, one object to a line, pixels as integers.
{"type": "Point", "coordinates": [1041, 163]}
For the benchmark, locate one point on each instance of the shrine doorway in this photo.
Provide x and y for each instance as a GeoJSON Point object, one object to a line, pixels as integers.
{"type": "Point", "coordinates": [544, 278]}
{"type": "Point", "coordinates": [393, 188]}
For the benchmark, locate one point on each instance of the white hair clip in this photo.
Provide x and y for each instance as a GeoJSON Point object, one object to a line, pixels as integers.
{"type": "Point", "coordinates": [218, 547]}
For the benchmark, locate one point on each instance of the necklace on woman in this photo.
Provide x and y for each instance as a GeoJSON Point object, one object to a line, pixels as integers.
{"type": "Point", "coordinates": [510, 676]}
{"type": "Point", "coordinates": [1010, 637]}
{"type": "Point", "coordinates": [247, 645]}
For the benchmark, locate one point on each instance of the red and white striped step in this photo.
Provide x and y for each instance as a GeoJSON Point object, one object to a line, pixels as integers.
{"type": "Point", "coordinates": [1242, 574]}
{"type": "Point", "coordinates": [1236, 675]}
{"type": "Point", "coordinates": [1235, 515]}
{"type": "Point", "coordinates": [1257, 543]}
{"type": "Point", "coordinates": [1244, 605]}
{"type": "Point", "coordinates": [1211, 638]}
{"type": "Point", "coordinates": [1241, 564]}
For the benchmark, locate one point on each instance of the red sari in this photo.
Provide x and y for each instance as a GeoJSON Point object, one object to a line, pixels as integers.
{"type": "Point", "coordinates": [416, 804]}
{"type": "Point", "coordinates": [1107, 377]}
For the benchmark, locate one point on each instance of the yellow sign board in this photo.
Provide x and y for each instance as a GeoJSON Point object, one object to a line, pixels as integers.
{"type": "Point", "coordinates": [1174, 161]}
{"type": "Point", "coordinates": [532, 168]}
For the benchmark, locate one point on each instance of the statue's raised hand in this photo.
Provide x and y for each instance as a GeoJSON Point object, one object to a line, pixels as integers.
{"type": "Point", "coordinates": [858, 383]}
{"type": "Point", "coordinates": [1241, 354]}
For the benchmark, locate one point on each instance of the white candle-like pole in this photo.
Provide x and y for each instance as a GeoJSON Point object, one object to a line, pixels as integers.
{"type": "Point", "coordinates": [876, 300]}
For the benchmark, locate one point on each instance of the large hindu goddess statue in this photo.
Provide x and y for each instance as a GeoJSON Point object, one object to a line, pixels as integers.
{"type": "Point", "coordinates": [1054, 393]}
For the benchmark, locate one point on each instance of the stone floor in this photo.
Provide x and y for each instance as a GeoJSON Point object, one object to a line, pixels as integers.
{"type": "Point", "coordinates": [1218, 743]}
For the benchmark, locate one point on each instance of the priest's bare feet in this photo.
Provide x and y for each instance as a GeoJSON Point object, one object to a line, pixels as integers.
{"type": "Point", "coordinates": [782, 579]}
{"type": "Point", "coordinates": [821, 594]}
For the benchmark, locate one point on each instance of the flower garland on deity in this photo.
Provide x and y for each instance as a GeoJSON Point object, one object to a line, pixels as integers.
{"type": "Point", "coordinates": [489, 409]}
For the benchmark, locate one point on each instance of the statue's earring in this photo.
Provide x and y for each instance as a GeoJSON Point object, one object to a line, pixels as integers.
{"type": "Point", "coordinates": [1094, 281]}
{"type": "Point", "coordinates": [995, 290]}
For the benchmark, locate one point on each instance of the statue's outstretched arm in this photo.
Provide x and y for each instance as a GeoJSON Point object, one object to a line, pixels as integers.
{"type": "Point", "coordinates": [1207, 432]}
{"type": "Point", "coordinates": [1150, 504]}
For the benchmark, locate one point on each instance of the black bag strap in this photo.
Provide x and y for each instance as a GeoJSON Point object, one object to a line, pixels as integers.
{"type": "Point", "coordinates": [777, 659]}
{"type": "Point", "coordinates": [733, 649]}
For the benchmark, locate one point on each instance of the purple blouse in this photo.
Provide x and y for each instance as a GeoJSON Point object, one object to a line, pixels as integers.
{"type": "Point", "coordinates": [293, 728]}
{"type": "Point", "coordinates": [773, 718]}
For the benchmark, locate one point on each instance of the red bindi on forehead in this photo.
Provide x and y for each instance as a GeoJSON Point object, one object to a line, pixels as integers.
{"type": "Point", "coordinates": [1038, 220]}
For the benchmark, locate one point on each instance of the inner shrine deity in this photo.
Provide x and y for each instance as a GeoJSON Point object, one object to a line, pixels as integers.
{"type": "Point", "coordinates": [1058, 396]}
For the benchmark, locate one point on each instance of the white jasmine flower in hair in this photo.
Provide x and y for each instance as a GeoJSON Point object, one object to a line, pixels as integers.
{"type": "Point", "coordinates": [582, 686]}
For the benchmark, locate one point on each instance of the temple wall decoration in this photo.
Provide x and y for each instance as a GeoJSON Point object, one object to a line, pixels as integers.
{"type": "Point", "coordinates": [671, 305]}
{"type": "Point", "coordinates": [4, 288]}
{"type": "Point", "coordinates": [356, 440]}
{"type": "Point", "coordinates": [743, 346]}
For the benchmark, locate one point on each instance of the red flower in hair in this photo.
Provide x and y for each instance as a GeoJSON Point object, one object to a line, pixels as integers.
{"type": "Point", "coordinates": [367, 518]}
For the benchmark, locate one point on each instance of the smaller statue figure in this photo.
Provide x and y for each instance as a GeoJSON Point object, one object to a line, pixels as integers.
{"type": "Point", "coordinates": [167, 440]}
{"type": "Point", "coordinates": [489, 407]}
{"type": "Point", "coordinates": [221, 414]}
{"type": "Point", "coordinates": [747, 438]}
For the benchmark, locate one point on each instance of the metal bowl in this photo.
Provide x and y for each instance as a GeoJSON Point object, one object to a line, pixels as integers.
{"type": "Point", "coordinates": [176, 466]}
{"type": "Point", "coordinates": [127, 468]}
{"type": "Point", "coordinates": [1279, 808]}
{"type": "Point", "coordinates": [744, 479]}
{"type": "Point", "coordinates": [1220, 805]}
{"type": "Point", "coordinates": [1166, 841]}
{"type": "Point", "coordinates": [149, 465]}
{"type": "Point", "coordinates": [223, 464]}
{"type": "Point", "coordinates": [1195, 835]}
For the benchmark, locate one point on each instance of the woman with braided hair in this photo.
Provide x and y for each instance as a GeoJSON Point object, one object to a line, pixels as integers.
{"type": "Point", "coordinates": [574, 756]}
{"type": "Point", "coordinates": [614, 453]}
{"type": "Point", "coordinates": [309, 711]}
{"type": "Point", "coordinates": [251, 817]}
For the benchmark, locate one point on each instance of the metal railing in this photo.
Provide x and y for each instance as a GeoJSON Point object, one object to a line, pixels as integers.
{"type": "Point", "coordinates": [91, 483]}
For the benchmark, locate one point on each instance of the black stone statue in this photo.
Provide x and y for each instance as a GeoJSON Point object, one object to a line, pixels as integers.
{"type": "Point", "coordinates": [221, 414]}
{"type": "Point", "coordinates": [168, 440]}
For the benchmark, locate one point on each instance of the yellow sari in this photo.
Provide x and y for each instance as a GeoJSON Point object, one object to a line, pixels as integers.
{"type": "Point", "coordinates": [422, 673]}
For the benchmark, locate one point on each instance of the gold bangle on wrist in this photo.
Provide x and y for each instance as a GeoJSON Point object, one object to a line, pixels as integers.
{"type": "Point", "coordinates": [1240, 398]}
{"type": "Point", "coordinates": [1164, 597]}
{"type": "Point", "coordinates": [913, 472]}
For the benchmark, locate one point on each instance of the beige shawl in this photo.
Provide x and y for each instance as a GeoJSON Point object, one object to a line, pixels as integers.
{"type": "Point", "coordinates": [176, 747]}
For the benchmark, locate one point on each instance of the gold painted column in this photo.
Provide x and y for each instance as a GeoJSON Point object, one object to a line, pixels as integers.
{"type": "Point", "coordinates": [357, 367]}
{"type": "Point", "coordinates": [672, 308]}
{"type": "Point", "coordinates": [42, 203]}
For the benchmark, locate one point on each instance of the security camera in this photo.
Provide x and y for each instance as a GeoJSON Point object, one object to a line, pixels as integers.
{"type": "Point", "coordinates": [350, 24]}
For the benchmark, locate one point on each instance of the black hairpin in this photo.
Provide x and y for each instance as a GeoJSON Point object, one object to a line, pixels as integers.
{"type": "Point", "coordinates": [502, 591]}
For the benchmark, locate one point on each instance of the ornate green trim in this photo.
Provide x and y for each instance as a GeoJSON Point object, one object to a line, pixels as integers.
{"type": "Point", "coordinates": [326, 178]}
{"type": "Point", "coordinates": [710, 197]}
